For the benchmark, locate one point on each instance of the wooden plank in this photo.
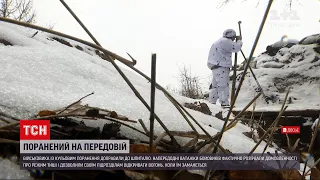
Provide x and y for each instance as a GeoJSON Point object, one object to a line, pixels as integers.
{"type": "Point", "coordinates": [313, 113]}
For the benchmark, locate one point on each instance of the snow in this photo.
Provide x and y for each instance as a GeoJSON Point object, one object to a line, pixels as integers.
{"type": "Point", "coordinates": [38, 73]}
{"type": "Point", "coordinates": [282, 43]}
{"type": "Point", "coordinates": [301, 170]}
{"type": "Point", "coordinates": [293, 57]}
{"type": "Point", "coordinates": [315, 38]}
{"type": "Point", "coordinates": [314, 124]}
{"type": "Point", "coordinates": [40, 78]}
{"type": "Point", "coordinates": [297, 67]}
{"type": "Point", "coordinates": [309, 122]}
{"type": "Point", "coordinates": [10, 170]}
{"type": "Point", "coordinates": [309, 164]}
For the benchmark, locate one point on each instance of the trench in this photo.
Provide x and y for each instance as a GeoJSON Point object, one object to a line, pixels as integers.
{"type": "Point", "coordinates": [303, 118]}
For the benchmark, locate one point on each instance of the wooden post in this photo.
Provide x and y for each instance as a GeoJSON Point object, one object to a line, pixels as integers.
{"type": "Point", "coordinates": [153, 88]}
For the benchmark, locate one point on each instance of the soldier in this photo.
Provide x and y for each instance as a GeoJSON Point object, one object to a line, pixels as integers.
{"type": "Point", "coordinates": [220, 62]}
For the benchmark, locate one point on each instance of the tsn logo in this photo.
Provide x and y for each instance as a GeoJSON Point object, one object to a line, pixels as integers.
{"type": "Point", "coordinates": [34, 129]}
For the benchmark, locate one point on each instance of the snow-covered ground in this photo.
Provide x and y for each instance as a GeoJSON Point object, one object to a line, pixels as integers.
{"type": "Point", "coordinates": [42, 74]}
{"type": "Point", "coordinates": [10, 170]}
{"type": "Point", "coordinates": [295, 65]}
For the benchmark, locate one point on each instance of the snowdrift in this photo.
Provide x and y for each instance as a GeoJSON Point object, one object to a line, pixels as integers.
{"type": "Point", "coordinates": [41, 72]}
{"type": "Point", "coordinates": [294, 64]}
{"type": "Point", "coordinates": [46, 72]}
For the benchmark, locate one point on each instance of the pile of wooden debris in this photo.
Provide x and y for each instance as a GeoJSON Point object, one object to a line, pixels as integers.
{"type": "Point", "coordinates": [68, 123]}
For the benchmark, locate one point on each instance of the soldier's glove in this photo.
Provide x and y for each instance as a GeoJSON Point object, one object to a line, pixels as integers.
{"type": "Point", "coordinates": [238, 38]}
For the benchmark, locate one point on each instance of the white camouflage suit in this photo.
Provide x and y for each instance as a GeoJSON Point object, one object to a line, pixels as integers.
{"type": "Point", "coordinates": [220, 62]}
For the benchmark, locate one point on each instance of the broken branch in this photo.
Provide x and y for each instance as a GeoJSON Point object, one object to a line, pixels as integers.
{"type": "Point", "coordinates": [270, 129]}
{"type": "Point", "coordinates": [314, 135]}
{"type": "Point", "coordinates": [74, 103]}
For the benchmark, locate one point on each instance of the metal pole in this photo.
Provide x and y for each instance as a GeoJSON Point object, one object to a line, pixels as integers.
{"type": "Point", "coordinates": [216, 136]}
{"type": "Point", "coordinates": [245, 71]}
{"type": "Point", "coordinates": [239, 22]}
{"type": "Point", "coordinates": [254, 76]}
{"type": "Point", "coordinates": [254, 46]}
{"type": "Point", "coordinates": [136, 92]}
{"type": "Point", "coordinates": [233, 89]}
{"type": "Point", "coordinates": [235, 70]}
{"type": "Point", "coordinates": [81, 24]}
{"type": "Point", "coordinates": [20, 23]}
{"type": "Point", "coordinates": [153, 87]}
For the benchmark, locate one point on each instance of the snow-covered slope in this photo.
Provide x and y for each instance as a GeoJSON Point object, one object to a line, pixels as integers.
{"type": "Point", "coordinates": [291, 64]}
{"type": "Point", "coordinates": [40, 73]}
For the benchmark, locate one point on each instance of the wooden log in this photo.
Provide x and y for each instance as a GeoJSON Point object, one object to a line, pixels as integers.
{"type": "Point", "coordinates": [313, 113]}
{"type": "Point", "coordinates": [119, 58]}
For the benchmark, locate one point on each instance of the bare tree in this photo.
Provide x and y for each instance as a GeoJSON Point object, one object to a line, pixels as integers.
{"type": "Point", "coordinates": [21, 10]}
{"type": "Point", "coordinates": [190, 84]}
{"type": "Point", "coordinates": [172, 89]}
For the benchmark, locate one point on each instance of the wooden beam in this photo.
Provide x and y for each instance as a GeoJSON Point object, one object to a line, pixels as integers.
{"type": "Point", "coordinates": [313, 113]}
